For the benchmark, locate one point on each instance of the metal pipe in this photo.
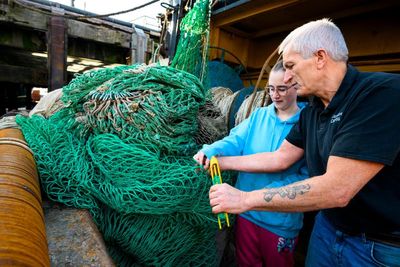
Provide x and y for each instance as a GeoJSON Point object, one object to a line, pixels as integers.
{"type": "Point", "coordinates": [174, 34]}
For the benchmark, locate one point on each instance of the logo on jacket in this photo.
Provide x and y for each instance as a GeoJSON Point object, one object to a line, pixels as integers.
{"type": "Point", "coordinates": [336, 117]}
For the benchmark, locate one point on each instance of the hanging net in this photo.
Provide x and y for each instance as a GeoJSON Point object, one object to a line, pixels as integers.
{"type": "Point", "coordinates": [192, 50]}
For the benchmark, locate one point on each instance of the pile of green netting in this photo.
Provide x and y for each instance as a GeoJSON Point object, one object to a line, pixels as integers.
{"type": "Point", "coordinates": [192, 51]}
{"type": "Point", "coordinates": [122, 147]}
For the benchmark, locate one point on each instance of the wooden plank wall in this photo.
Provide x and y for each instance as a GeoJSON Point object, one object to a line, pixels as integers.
{"type": "Point", "coordinates": [372, 37]}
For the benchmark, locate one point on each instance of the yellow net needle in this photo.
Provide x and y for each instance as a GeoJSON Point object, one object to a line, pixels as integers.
{"type": "Point", "coordinates": [217, 179]}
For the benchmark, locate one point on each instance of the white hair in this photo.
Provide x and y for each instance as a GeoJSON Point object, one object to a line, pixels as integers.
{"type": "Point", "coordinates": [319, 34]}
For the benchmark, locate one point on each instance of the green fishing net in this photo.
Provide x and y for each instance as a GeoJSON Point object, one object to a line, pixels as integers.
{"type": "Point", "coordinates": [159, 240]}
{"type": "Point", "coordinates": [122, 148]}
{"type": "Point", "coordinates": [158, 102]}
{"type": "Point", "coordinates": [124, 151]}
{"type": "Point", "coordinates": [192, 50]}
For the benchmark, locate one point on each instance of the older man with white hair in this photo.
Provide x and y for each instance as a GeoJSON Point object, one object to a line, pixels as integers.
{"type": "Point", "coordinates": [350, 137]}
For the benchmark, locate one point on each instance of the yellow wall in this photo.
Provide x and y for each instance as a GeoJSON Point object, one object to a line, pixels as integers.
{"type": "Point", "coordinates": [233, 43]}
{"type": "Point", "coordinates": [373, 40]}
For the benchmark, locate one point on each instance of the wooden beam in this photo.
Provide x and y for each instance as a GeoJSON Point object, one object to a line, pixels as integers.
{"type": "Point", "coordinates": [384, 68]}
{"type": "Point", "coordinates": [365, 8]}
{"type": "Point", "coordinates": [19, 57]}
{"type": "Point", "coordinates": [390, 61]}
{"type": "Point", "coordinates": [248, 10]}
{"type": "Point", "coordinates": [24, 17]}
{"type": "Point", "coordinates": [237, 32]}
{"type": "Point", "coordinates": [98, 33]}
{"type": "Point", "coordinates": [4, 7]}
{"type": "Point", "coordinates": [92, 29]}
{"type": "Point", "coordinates": [78, 47]}
{"type": "Point", "coordinates": [57, 52]}
{"type": "Point", "coordinates": [15, 36]}
{"type": "Point", "coordinates": [386, 65]}
{"type": "Point", "coordinates": [28, 75]}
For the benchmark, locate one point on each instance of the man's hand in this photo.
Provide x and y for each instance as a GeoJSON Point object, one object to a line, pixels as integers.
{"type": "Point", "coordinates": [202, 160]}
{"type": "Point", "coordinates": [225, 198]}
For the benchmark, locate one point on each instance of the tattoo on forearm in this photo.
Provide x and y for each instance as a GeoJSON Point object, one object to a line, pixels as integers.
{"type": "Point", "coordinates": [288, 191]}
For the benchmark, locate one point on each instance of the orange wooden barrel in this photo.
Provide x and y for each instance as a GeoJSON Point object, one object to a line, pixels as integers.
{"type": "Point", "coordinates": [22, 229]}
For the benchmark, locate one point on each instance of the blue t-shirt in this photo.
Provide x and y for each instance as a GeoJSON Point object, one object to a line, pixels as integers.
{"type": "Point", "coordinates": [263, 131]}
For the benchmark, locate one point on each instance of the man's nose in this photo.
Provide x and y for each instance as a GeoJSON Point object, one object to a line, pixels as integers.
{"type": "Point", "coordinates": [287, 76]}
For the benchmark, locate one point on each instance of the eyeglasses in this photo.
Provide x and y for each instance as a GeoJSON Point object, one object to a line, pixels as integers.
{"type": "Point", "coordinates": [280, 89]}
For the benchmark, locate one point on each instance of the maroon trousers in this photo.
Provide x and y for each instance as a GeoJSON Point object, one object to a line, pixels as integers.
{"type": "Point", "coordinates": [256, 246]}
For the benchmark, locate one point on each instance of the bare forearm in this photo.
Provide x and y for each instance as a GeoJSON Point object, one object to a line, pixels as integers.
{"type": "Point", "coordinates": [276, 161]}
{"type": "Point", "coordinates": [341, 182]}
{"type": "Point", "coordinates": [298, 197]}
{"type": "Point", "coordinates": [262, 162]}
{"type": "Point", "coordinates": [302, 196]}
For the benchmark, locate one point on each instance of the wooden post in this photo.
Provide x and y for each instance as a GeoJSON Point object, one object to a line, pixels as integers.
{"type": "Point", "coordinates": [57, 50]}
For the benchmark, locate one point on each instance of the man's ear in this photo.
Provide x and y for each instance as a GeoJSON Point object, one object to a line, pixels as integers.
{"type": "Point", "coordinates": [321, 57]}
